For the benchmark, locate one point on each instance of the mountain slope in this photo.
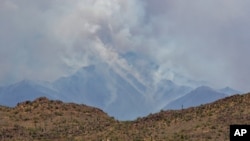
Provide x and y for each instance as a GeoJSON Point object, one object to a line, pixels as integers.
{"type": "Point", "coordinates": [25, 90]}
{"type": "Point", "coordinates": [117, 91]}
{"type": "Point", "coordinates": [206, 122]}
{"type": "Point", "coordinates": [200, 95]}
{"type": "Point", "coordinates": [168, 91]}
{"type": "Point", "coordinates": [120, 94]}
{"type": "Point", "coordinates": [43, 119]}
{"type": "Point", "coordinates": [102, 87]}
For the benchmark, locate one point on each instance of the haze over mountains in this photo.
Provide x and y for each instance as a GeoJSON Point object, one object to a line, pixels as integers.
{"type": "Point", "coordinates": [129, 58]}
{"type": "Point", "coordinates": [200, 95]}
{"type": "Point", "coordinates": [117, 92]}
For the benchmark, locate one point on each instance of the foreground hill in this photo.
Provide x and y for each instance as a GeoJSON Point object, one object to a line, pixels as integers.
{"type": "Point", "coordinates": [43, 119]}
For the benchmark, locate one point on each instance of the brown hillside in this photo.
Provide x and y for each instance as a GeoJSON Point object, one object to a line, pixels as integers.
{"type": "Point", "coordinates": [54, 120]}
{"type": "Point", "coordinates": [43, 119]}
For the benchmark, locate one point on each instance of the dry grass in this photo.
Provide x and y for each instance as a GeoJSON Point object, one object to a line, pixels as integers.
{"type": "Point", "coordinates": [43, 119]}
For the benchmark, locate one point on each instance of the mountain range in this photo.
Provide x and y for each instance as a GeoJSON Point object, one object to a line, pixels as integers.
{"type": "Point", "coordinates": [119, 93]}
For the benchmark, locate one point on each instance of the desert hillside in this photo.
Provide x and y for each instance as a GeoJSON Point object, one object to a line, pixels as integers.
{"type": "Point", "coordinates": [44, 119]}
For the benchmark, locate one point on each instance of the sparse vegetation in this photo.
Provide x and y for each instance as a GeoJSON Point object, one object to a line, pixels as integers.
{"type": "Point", "coordinates": [43, 119]}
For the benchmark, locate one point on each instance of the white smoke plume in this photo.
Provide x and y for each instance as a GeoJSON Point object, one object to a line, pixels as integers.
{"type": "Point", "coordinates": [176, 40]}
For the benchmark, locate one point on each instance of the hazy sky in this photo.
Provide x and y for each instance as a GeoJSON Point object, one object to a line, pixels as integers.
{"type": "Point", "coordinates": [201, 40]}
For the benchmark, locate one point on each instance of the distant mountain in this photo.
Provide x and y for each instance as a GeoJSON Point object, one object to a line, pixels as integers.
{"type": "Point", "coordinates": [116, 91]}
{"type": "Point", "coordinates": [229, 91]}
{"type": "Point", "coordinates": [200, 95]}
{"type": "Point", "coordinates": [120, 94]}
{"type": "Point", "coordinates": [168, 91]}
{"type": "Point", "coordinates": [102, 87]}
{"type": "Point", "coordinates": [25, 90]}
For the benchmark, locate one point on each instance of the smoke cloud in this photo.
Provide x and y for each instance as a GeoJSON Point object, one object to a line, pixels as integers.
{"type": "Point", "coordinates": [177, 40]}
